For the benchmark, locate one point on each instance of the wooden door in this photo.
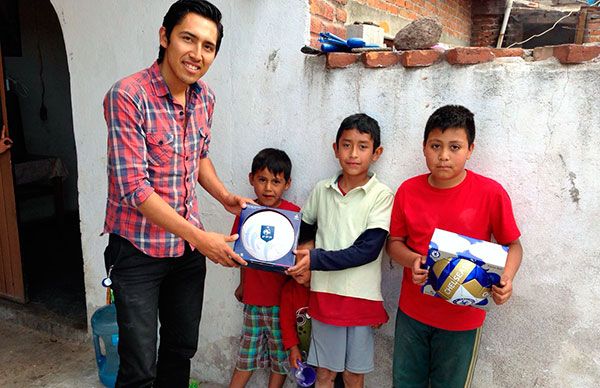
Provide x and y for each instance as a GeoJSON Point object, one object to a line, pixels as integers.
{"type": "Point", "coordinates": [11, 273]}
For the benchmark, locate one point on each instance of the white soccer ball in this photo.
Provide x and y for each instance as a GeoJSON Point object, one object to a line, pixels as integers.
{"type": "Point", "coordinates": [267, 235]}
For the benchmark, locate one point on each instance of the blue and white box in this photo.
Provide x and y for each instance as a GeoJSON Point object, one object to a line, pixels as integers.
{"type": "Point", "coordinates": [267, 237]}
{"type": "Point", "coordinates": [463, 269]}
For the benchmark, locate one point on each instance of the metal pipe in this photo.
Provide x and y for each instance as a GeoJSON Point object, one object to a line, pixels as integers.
{"type": "Point", "coordinates": [509, 4]}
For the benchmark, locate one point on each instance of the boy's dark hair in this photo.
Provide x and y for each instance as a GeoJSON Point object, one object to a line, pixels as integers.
{"type": "Point", "coordinates": [451, 116]}
{"type": "Point", "coordinates": [180, 9]}
{"type": "Point", "coordinates": [363, 123]}
{"type": "Point", "coordinates": [274, 160]}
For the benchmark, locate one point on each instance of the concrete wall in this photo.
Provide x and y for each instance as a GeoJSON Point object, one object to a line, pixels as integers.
{"type": "Point", "coordinates": [538, 135]}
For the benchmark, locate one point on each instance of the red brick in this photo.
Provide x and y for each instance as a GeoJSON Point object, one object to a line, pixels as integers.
{"type": "Point", "coordinates": [376, 59]}
{"type": "Point", "coordinates": [321, 8]}
{"type": "Point", "coordinates": [341, 15]}
{"type": "Point", "coordinates": [419, 58]}
{"type": "Point", "coordinates": [574, 53]}
{"type": "Point", "coordinates": [341, 60]}
{"type": "Point", "coordinates": [469, 55]}
{"type": "Point", "coordinates": [508, 52]}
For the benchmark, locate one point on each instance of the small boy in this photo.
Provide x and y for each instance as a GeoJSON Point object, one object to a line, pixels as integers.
{"type": "Point", "coordinates": [260, 291]}
{"type": "Point", "coordinates": [348, 215]}
{"type": "Point", "coordinates": [296, 324]}
{"type": "Point", "coordinates": [436, 342]}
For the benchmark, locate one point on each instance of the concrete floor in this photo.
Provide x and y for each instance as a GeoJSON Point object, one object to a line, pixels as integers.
{"type": "Point", "coordinates": [36, 358]}
{"type": "Point", "coordinates": [31, 358]}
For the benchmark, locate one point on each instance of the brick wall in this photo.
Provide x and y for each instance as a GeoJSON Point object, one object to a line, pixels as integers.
{"type": "Point", "coordinates": [487, 20]}
{"type": "Point", "coordinates": [592, 26]}
{"type": "Point", "coordinates": [455, 15]}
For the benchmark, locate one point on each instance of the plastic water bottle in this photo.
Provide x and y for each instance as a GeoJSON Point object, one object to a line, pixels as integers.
{"type": "Point", "coordinates": [305, 374]}
{"type": "Point", "coordinates": [106, 338]}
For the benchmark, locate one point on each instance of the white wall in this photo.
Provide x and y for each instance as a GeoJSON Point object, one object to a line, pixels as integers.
{"type": "Point", "coordinates": [538, 131]}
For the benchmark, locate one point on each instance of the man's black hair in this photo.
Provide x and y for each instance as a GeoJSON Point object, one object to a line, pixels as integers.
{"type": "Point", "coordinates": [274, 160]}
{"type": "Point", "coordinates": [363, 123]}
{"type": "Point", "coordinates": [451, 116]}
{"type": "Point", "coordinates": [180, 9]}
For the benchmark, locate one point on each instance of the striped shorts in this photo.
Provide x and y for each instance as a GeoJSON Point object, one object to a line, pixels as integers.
{"type": "Point", "coordinates": [261, 345]}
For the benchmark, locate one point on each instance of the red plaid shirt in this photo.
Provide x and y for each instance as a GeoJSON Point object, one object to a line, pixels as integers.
{"type": "Point", "coordinates": [152, 150]}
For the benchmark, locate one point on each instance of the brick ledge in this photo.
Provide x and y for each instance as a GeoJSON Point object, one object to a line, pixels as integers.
{"type": "Point", "coordinates": [460, 56]}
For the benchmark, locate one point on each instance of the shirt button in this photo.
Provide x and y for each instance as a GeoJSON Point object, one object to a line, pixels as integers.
{"type": "Point", "coordinates": [160, 142]}
{"type": "Point", "coordinates": [187, 179]}
{"type": "Point", "coordinates": [187, 158]}
{"type": "Point", "coordinates": [180, 113]}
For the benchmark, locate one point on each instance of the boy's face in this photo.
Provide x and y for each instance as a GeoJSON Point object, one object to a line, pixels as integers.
{"type": "Point", "coordinates": [355, 152]}
{"type": "Point", "coordinates": [446, 154]}
{"type": "Point", "coordinates": [268, 187]}
{"type": "Point", "coordinates": [189, 51]}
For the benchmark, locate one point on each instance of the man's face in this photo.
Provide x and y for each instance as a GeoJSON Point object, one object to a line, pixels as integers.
{"type": "Point", "coordinates": [189, 51]}
{"type": "Point", "coordinates": [446, 154]}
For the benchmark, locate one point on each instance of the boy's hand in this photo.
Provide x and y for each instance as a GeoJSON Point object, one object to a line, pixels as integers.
{"type": "Point", "coordinates": [376, 326]}
{"type": "Point", "coordinates": [295, 356]}
{"type": "Point", "coordinates": [239, 291]}
{"type": "Point", "coordinates": [302, 263]}
{"type": "Point", "coordinates": [419, 275]}
{"type": "Point", "coordinates": [303, 279]}
{"type": "Point", "coordinates": [501, 293]}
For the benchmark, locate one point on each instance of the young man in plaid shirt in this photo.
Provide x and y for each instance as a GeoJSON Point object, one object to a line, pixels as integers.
{"type": "Point", "coordinates": [159, 122]}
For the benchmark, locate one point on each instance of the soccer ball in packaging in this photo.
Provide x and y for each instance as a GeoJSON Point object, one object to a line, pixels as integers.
{"type": "Point", "coordinates": [462, 270]}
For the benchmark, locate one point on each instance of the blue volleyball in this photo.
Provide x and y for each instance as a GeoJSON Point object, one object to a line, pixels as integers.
{"type": "Point", "coordinates": [461, 281]}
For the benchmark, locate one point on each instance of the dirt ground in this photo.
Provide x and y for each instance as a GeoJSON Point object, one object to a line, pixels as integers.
{"type": "Point", "coordinates": [30, 358]}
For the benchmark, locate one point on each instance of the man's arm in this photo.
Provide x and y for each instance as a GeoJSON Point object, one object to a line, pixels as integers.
{"type": "Point", "coordinates": [212, 245]}
{"type": "Point", "coordinates": [208, 179]}
{"type": "Point", "coordinates": [400, 252]}
{"type": "Point", "coordinates": [127, 163]}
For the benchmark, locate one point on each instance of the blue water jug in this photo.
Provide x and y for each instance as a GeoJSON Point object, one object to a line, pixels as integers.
{"type": "Point", "coordinates": [106, 337]}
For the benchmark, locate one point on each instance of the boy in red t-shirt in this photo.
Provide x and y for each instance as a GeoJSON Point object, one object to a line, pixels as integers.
{"type": "Point", "coordinates": [261, 345]}
{"type": "Point", "coordinates": [436, 342]}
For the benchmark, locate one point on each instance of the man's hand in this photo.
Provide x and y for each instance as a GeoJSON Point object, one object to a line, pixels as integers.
{"type": "Point", "coordinates": [302, 265]}
{"type": "Point", "coordinates": [502, 292]}
{"type": "Point", "coordinates": [239, 292]}
{"type": "Point", "coordinates": [419, 275]}
{"type": "Point", "coordinates": [214, 247]}
{"type": "Point", "coordinates": [235, 203]}
{"type": "Point", "coordinates": [295, 356]}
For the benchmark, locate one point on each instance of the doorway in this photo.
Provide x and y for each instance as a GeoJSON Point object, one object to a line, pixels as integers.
{"type": "Point", "coordinates": [44, 160]}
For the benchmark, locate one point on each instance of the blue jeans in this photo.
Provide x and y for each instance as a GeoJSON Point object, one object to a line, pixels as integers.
{"type": "Point", "coordinates": [145, 288]}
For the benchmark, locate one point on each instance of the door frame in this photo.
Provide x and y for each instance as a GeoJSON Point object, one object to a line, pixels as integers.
{"type": "Point", "coordinates": [11, 271]}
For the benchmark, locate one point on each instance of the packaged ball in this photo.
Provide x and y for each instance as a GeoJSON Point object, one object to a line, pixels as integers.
{"type": "Point", "coordinates": [460, 281]}
{"type": "Point", "coordinates": [462, 270]}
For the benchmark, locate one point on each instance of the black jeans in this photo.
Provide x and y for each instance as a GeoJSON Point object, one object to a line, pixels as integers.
{"type": "Point", "coordinates": [145, 288]}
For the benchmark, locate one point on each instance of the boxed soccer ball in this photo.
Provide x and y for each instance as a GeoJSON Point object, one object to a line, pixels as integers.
{"type": "Point", "coordinates": [462, 270]}
{"type": "Point", "coordinates": [268, 237]}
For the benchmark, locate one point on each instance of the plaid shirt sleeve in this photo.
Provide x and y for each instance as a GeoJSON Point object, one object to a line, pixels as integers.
{"type": "Point", "coordinates": [127, 153]}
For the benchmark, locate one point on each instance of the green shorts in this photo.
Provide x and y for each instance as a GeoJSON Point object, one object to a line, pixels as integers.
{"type": "Point", "coordinates": [261, 345]}
{"type": "Point", "coordinates": [425, 356]}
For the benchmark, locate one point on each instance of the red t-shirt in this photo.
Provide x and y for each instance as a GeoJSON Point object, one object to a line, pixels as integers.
{"type": "Point", "coordinates": [294, 300]}
{"type": "Point", "coordinates": [478, 207]}
{"type": "Point", "coordinates": [263, 288]}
